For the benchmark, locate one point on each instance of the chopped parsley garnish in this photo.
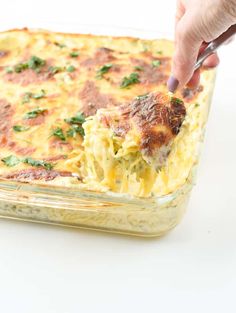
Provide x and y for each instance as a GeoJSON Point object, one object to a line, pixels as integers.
{"type": "Point", "coordinates": [141, 97]}
{"type": "Point", "coordinates": [76, 125]}
{"type": "Point", "coordinates": [37, 163]}
{"type": "Point", "coordinates": [58, 132]}
{"type": "Point", "coordinates": [39, 95]}
{"type": "Point", "coordinates": [70, 68]}
{"type": "Point", "coordinates": [26, 97]}
{"type": "Point", "coordinates": [9, 69]}
{"type": "Point", "coordinates": [19, 128]}
{"type": "Point", "coordinates": [60, 45]}
{"type": "Point", "coordinates": [34, 113]}
{"type": "Point", "coordinates": [11, 161]}
{"type": "Point", "coordinates": [71, 132]}
{"type": "Point", "coordinates": [132, 79]}
{"type": "Point", "coordinates": [103, 70]}
{"type": "Point", "coordinates": [74, 130]}
{"type": "Point", "coordinates": [160, 52]}
{"type": "Point", "coordinates": [156, 63]}
{"type": "Point", "coordinates": [139, 68]}
{"type": "Point", "coordinates": [21, 67]}
{"type": "Point", "coordinates": [176, 100]}
{"type": "Point", "coordinates": [197, 105]}
{"type": "Point", "coordinates": [79, 118]}
{"type": "Point", "coordinates": [55, 69]}
{"type": "Point", "coordinates": [58, 69]}
{"type": "Point", "coordinates": [74, 54]}
{"type": "Point", "coordinates": [34, 63]}
{"type": "Point", "coordinates": [30, 95]}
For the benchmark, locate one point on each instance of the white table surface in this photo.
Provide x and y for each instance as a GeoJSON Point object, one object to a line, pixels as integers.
{"type": "Point", "coordinates": [46, 269]}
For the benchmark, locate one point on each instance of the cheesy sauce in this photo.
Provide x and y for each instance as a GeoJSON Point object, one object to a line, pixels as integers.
{"type": "Point", "coordinates": [55, 89]}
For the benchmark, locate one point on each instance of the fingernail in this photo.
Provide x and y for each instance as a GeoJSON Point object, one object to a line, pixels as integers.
{"type": "Point", "coordinates": [172, 84]}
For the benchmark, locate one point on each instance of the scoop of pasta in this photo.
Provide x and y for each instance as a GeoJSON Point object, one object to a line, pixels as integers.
{"type": "Point", "coordinates": [147, 125]}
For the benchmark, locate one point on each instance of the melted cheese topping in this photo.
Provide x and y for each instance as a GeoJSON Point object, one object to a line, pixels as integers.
{"type": "Point", "coordinates": [118, 165]}
{"type": "Point", "coordinates": [70, 84]}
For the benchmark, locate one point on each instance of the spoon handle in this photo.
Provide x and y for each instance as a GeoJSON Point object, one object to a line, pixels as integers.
{"type": "Point", "coordinates": [214, 45]}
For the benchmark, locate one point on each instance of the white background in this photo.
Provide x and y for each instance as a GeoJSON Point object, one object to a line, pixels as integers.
{"type": "Point", "coordinates": [45, 269]}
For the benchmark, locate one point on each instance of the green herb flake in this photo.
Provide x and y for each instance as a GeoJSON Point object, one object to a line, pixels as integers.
{"type": "Point", "coordinates": [176, 100]}
{"type": "Point", "coordinates": [19, 128]}
{"type": "Point", "coordinates": [75, 129]}
{"type": "Point", "coordinates": [34, 113]}
{"type": "Point", "coordinates": [9, 69]}
{"type": "Point", "coordinates": [71, 132]}
{"type": "Point", "coordinates": [58, 132]}
{"type": "Point", "coordinates": [103, 70]}
{"type": "Point", "coordinates": [139, 68]}
{"type": "Point", "coordinates": [21, 67]}
{"type": "Point", "coordinates": [142, 97]}
{"type": "Point", "coordinates": [26, 97]}
{"type": "Point", "coordinates": [79, 118]}
{"type": "Point", "coordinates": [29, 95]}
{"type": "Point", "coordinates": [11, 161]}
{"type": "Point", "coordinates": [35, 63]}
{"type": "Point", "coordinates": [74, 54]}
{"type": "Point", "coordinates": [39, 95]}
{"type": "Point", "coordinates": [160, 52]}
{"type": "Point", "coordinates": [60, 45]}
{"type": "Point", "coordinates": [38, 163]}
{"type": "Point", "coordinates": [55, 69]}
{"type": "Point", "coordinates": [197, 105]}
{"type": "Point", "coordinates": [156, 63]}
{"type": "Point", "coordinates": [132, 79]}
{"type": "Point", "coordinates": [70, 69]}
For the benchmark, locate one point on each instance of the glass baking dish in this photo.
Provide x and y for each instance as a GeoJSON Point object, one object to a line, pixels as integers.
{"type": "Point", "coordinates": [94, 210]}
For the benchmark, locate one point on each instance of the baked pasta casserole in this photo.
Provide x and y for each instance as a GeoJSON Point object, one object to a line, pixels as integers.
{"type": "Point", "coordinates": [93, 112]}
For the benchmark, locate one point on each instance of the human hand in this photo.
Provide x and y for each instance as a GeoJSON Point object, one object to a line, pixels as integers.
{"type": "Point", "coordinates": [197, 22]}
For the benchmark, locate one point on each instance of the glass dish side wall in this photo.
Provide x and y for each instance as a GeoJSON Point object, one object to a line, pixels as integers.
{"type": "Point", "coordinates": [143, 217]}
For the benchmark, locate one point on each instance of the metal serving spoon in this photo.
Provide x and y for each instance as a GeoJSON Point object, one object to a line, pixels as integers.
{"type": "Point", "coordinates": [214, 45]}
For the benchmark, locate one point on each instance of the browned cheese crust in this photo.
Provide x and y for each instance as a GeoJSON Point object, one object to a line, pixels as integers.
{"type": "Point", "coordinates": [48, 78]}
